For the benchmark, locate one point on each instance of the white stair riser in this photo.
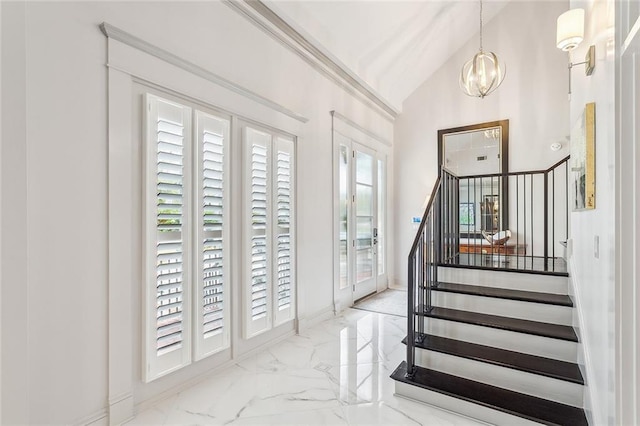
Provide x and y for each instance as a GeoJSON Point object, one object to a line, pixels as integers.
{"type": "Point", "coordinates": [504, 339]}
{"type": "Point", "coordinates": [504, 307]}
{"type": "Point", "coordinates": [507, 378]}
{"type": "Point", "coordinates": [460, 406]}
{"type": "Point", "coordinates": [501, 279]}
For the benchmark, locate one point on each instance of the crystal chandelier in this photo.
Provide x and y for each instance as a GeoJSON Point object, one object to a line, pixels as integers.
{"type": "Point", "coordinates": [483, 73]}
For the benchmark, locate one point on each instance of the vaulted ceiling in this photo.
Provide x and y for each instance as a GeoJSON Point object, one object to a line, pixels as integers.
{"type": "Point", "coordinates": [393, 45]}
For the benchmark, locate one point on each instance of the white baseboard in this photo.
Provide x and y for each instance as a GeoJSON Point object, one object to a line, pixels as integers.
{"type": "Point", "coordinates": [584, 360]}
{"type": "Point", "coordinates": [151, 402]}
{"type": "Point", "coordinates": [98, 418]}
{"type": "Point", "coordinates": [121, 409]}
{"type": "Point", "coordinates": [317, 317]}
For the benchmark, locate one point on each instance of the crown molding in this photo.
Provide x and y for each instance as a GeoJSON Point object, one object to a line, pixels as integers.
{"type": "Point", "coordinates": [264, 18]}
{"type": "Point", "coordinates": [129, 39]}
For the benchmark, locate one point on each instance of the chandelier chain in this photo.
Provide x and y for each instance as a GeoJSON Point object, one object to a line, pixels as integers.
{"type": "Point", "coordinates": [481, 25]}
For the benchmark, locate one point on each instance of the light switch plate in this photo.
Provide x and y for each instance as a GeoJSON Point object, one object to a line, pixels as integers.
{"type": "Point", "coordinates": [596, 246]}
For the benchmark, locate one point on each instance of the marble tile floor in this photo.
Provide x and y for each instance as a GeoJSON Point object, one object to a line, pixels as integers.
{"type": "Point", "coordinates": [335, 373]}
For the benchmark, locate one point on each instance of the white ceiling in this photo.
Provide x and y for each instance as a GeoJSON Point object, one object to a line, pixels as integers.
{"type": "Point", "coordinates": [393, 45]}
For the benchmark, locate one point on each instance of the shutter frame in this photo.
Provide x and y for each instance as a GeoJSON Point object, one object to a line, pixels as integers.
{"type": "Point", "coordinates": [211, 161]}
{"type": "Point", "coordinates": [284, 286]}
{"type": "Point", "coordinates": [257, 204]}
{"type": "Point", "coordinates": [157, 362]}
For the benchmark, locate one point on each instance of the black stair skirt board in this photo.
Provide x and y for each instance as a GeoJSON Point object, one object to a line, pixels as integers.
{"type": "Point", "coordinates": [518, 404]}
{"type": "Point", "coordinates": [503, 293]}
{"type": "Point", "coordinates": [547, 367]}
{"type": "Point", "coordinates": [555, 331]}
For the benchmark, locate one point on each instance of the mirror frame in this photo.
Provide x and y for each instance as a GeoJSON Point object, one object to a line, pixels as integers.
{"type": "Point", "coordinates": [504, 142]}
{"type": "Point", "coordinates": [504, 156]}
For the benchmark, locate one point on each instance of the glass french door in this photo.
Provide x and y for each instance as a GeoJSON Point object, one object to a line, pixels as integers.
{"type": "Point", "coordinates": [360, 261]}
{"type": "Point", "coordinates": [364, 192]}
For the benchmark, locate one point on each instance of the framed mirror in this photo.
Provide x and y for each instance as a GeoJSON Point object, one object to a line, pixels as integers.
{"type": "Point", "coordinates": [478, 155]}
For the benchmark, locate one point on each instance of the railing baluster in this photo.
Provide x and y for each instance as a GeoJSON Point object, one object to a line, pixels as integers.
{"type": "Point", "coordinates": [532, 220]}
{"type": "Point", "coordinates": [553, 219]}
{"type": "Point", "coordinates": [524, 213]}
{"type": "Point", "coordinates": [545, 219]}
{"type": "Point", "coordinates": [518, 222]}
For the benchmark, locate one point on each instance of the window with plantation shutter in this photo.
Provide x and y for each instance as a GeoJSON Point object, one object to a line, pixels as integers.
{"type": "Point", "coordinates": [257, 148]}
{"type": "Point", "coordinates": [212, 289]}
{"type": "Point", "coordinates": [283, 162]}
{"type": "Point", "coordinates": [186, 235]}
{"type": "Point", "coordinates": [269, 294]}
{"type": "Point", "coordinates": [167, 235]}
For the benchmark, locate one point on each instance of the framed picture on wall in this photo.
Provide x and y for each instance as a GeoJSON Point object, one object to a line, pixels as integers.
{"type": "Point", "coordinates": [583, 160]}
{"type": "Point", "coordinates": [467, 214]}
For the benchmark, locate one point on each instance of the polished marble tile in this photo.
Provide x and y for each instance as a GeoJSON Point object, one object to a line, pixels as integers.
{"type": "Point", "coordinates": [335, 373]}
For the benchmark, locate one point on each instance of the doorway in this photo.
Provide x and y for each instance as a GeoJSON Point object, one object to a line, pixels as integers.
{"type": "Point", "coordinates": [361, 221]}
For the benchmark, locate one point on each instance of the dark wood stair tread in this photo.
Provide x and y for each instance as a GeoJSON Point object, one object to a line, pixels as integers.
{"type": "Point", "coordinates": [548, 367]}
{"type": "Point", "coordinates": [503, 293]}
{"type": "Point", "coordinates": [518, 404]}
{"type": "Point", "coordinates": [555, 331]}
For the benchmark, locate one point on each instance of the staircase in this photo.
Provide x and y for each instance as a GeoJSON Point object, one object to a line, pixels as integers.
{"type": "Point", "coordinates": [504, 355]}
{"type": "Point", "coordinates": [495, 344]}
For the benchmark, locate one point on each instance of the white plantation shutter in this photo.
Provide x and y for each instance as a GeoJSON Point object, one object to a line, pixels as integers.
{"type": "Point", "coordinates": [258, 298]}
{"type": "Point", "coordinates": [212, 289]}
{"type": "Point", "coordinates": [284, 174]}
{"type": "Point", "coordinates": [167, 236]}
{"type": "Point", "coordinates": [269, 179]}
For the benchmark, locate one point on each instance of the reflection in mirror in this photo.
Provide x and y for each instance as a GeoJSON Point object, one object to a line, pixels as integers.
{"type": "Point", "coordinates": [472, 153]}
{"type": "Point", "coordinates": [478, 154]}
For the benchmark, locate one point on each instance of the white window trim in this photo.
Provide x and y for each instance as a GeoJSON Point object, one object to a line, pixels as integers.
{"type": "Point", "coordinates": [128, 66]}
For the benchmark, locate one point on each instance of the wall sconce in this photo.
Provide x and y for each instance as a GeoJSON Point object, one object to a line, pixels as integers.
{"type": "Point", "coordinates": [569, 34]}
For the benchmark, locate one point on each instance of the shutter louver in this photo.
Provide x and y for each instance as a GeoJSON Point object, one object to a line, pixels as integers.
{"type": "Point", "coordinates": [284, 296]}
{"type": "Point", "coordinates": [170, 214]}
{"type": "Point", "coordinates": [166, 209]}
{"type": "Point", "coordinates": [284, 226]}
{"type": "Point", "coordinates": [213, 305]}
{"type": "Point", "coordinates": [269, 218]}
{"type": "Point", "coordinates": [259, 250]}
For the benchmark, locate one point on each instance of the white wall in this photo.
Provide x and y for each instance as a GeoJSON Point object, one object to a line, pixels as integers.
{"type": "Point", "coordinates": [533, 97]}
{"type": "Point", "coordinates": [54, 176]}
{"type": "Point", "coordinates": [593, 277]}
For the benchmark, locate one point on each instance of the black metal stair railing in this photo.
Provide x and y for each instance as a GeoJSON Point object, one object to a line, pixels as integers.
{"type": "Point", "coordinates": [436, 226]}
{"type": "Point", "coordinates": [533, 206]}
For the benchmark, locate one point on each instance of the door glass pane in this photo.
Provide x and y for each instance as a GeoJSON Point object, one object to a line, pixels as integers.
{"type": "Point", "coordinates": [343, 225]}
{"type": "Point", "coordinates": [364, 232]}
{"type": "Point", "coordinates": [381, 210]}
{"type": "Point", "coordinates": [364, 200]}
{"type": "Point", "coordinates": [364, 264]}
{"type": "Point", "coordinates": [364, 168]}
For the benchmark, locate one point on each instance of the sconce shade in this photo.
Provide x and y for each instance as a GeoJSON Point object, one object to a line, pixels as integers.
{"type": "Point", "coordinates": [570, 29]}
{"type": "Point", "coordinates": [482, 74]}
